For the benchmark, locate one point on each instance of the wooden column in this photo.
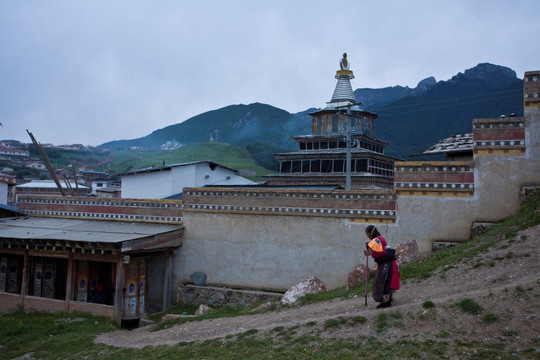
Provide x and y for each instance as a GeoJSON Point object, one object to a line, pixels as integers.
{"type": "Point", "coordinates": [69, 281]}
{"type": "Point", "coordinates": [119, 291]}
{"type": "Point", "coordinates": [167, 280]}
{"type": "Point", "coordinates": [24, 283]}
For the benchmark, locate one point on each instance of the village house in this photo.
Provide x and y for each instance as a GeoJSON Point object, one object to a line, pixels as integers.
{"type": "Point", "coordinates": [38, 165]}
{"type": "Point", "coordinates": [97, 265]}
{"type": "Point", "coordinates": [13, 152]}
{"type": "Point", "coordinates": [456, 147]}
{"type": "Point", "coordinates": [168, 181]}
{"type": "Point", "coordinates": [112, 191]}
{"type": "Point", "coordinates": [95, 180]}
{"type": "Point", "coordinates": [74, 147]}
{"type": "Point", "coordinates": [5, 183]}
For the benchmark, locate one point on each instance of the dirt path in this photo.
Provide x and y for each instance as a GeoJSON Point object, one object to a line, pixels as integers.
{"type": "Point", "coordinates": [507, 284]}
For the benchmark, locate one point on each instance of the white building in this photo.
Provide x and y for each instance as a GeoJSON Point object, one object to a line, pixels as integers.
{"type": "Point", "coordinates": [48, 187]}
{"type": "Point", "coordinates": [168, 181]}
{"type": "Point", "coordinates": [36, 165]}
{"type": "Point", "coordinates": [14, 152]}
{"type": "Point", "coordinates": [4, 188]}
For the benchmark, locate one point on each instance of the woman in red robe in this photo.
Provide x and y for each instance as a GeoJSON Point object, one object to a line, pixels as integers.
{"type": "Point", "coordinates": [387, 277]}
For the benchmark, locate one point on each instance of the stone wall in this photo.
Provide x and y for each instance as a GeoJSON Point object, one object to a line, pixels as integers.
{"type": "Point", "coordinates": [12, 302]}
{"type": "Point", "coordinates": [9, 302]}
{"type": "Point", "coordinates": [218, 296]}
{"type": "Point", "coordinates": [273, 239]}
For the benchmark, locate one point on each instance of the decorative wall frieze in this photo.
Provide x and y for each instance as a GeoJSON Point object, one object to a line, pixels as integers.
{"type": "Point", "coordinates": [355, 204]}
{"type": "Point", "coordinates": [531, 89]}
{"type": "Point", "coordinates": [499, 136]}
{"type": "Point", "coordinates": [435, 178]}
{"type": "Point", "coordinates": [167, 211]}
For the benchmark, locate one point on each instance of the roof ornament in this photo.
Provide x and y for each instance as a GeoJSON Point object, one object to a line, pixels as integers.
{"type": "Point", "coordinates": [343, 92]}
{"type": "Point", "coordinates": [344, 65]}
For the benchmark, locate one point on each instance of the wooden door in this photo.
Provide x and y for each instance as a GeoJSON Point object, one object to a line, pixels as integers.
{"type": "Point", "coordinates": [135, 283]}
{"type": "Point", "coordinates": [3, 273]}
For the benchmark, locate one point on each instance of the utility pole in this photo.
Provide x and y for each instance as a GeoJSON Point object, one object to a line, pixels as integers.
{"type": "Point", "coordinates": [348, 159]}
{"type": "Point", "coordinates": [348, 141]}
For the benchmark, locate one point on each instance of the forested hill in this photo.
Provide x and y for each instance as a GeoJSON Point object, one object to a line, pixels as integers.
{"type": "Point", "coordinates": [411, 120]}
{"type": "Point", "coordinates": [235, 124]}
{"type": "Point", "coordinates": [414, 123]}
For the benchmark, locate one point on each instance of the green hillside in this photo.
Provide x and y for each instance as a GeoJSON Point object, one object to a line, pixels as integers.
{"type": "Point", "coordinates": [235, 124]}
{"type": "Point", "coordinates": [222, 153]}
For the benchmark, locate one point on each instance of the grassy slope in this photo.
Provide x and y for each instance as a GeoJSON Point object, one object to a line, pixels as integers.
{"type": "Point", "coordinates": [70, 336]}
{"type": "Point", "coordinates": [227, 155]}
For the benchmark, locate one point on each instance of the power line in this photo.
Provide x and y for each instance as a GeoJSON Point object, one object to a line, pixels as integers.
{"type": "Point", "coordinates": [457, 102]}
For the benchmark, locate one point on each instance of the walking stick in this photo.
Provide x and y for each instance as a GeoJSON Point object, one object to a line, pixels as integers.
{"type": "Point", "coordinates": [367, 273]}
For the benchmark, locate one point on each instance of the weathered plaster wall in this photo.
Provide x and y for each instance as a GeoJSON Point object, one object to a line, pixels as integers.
{"type": "Point", "coordinates": [268, 252]}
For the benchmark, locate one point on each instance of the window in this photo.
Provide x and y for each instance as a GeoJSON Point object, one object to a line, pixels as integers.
{"type": "Point", "coordinates": [326, 166]}
{"type": "Point", "coordinates": [285, 166]}
{"type": "Point", "coordinates": [48, 277]}
{"type": "Point", "coordinates": [10, 273]}
{"type": "Point", "coordinates": [339, 166]}
{"type": "Point", "coordinates": [360, 165]}
{"type": "Point", "coordinates": [296, 166]}
{"type": "Point", "coordinates": [335, 124]}
{"type": "Point", "coordinates": [94, 282]}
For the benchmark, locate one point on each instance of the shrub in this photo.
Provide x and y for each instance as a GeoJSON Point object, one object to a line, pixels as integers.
{"type": "Point", "coordinates": [428, 304]}
{"type": "Point", "coordinates": [490, 317]}
{"type": "Point", "coordinates": [469, 306]}
{"type": "Point", "coordinates": [358, 319]}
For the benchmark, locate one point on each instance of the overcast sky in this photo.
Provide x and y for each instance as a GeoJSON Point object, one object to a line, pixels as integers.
{"type": "Point", "coordinates": [94, 71]}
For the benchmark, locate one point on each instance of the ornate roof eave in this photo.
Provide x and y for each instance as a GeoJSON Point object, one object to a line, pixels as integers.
{"type": "Point", "coordinates": [338, 136]}
{"type": "Point", "coordinates": [312, 154]}
{"type": "Point", "coordinates": [332, 109]}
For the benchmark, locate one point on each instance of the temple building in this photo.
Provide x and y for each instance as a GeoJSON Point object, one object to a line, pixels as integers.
{"type": "Point", "coordinates": [321, 158]}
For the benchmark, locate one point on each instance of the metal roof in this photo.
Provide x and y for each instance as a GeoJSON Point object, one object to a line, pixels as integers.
{"type": "Point", "coordinates": [169, 167]}
{"type": "Point", "coordinates": [343, 90]}
{"type": "Point", "coordinates": [90, 231]}
{"type": "Point", "coordinates": [48, 184]}
{"type": "Point", "coordinates": [453, 144]}
{"type": "Point", "coordinates": [10, 209]}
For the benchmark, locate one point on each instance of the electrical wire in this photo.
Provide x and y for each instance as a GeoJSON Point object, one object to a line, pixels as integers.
{"type": "Point", "coordinates": [510, 93]}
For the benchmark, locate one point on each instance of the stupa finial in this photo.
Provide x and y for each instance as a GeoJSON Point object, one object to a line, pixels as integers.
{"type": "Point", "coordinates": [344, 65]}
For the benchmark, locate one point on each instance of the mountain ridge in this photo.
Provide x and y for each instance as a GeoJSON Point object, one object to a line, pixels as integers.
{"type": "Point", "coordinates": [433, 109]}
